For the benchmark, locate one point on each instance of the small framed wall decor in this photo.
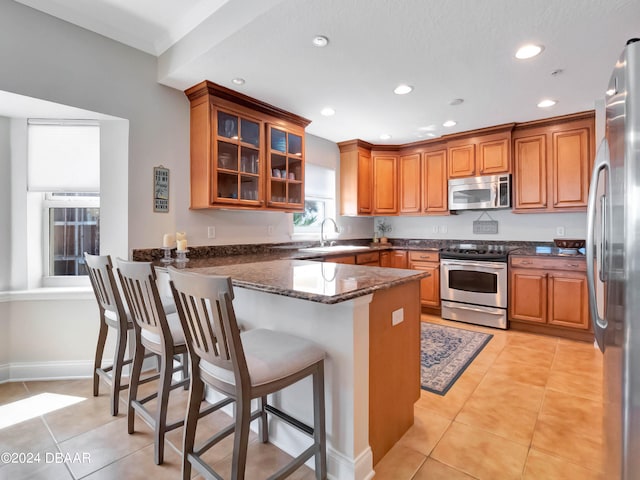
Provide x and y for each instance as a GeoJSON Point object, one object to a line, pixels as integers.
{"type": "Point", "coordinates": [160, 189]}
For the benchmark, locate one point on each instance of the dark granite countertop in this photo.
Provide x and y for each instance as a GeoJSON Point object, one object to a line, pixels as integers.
{"type": "Point", "coordinates": [548, 251]}
{"type": "Point", "coordinates": [323, 282]}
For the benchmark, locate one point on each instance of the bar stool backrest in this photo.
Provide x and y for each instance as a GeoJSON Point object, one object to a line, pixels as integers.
{"type": "Point", "coordinates": [105, 288]}
{"type": "Point", "coordinates": [205, 308]}
{"type": "Point", "coordinates": [138, 280]}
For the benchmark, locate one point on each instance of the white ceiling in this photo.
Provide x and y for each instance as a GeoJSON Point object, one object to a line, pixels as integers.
{"type": "Point", "coordinates": [446, 49]}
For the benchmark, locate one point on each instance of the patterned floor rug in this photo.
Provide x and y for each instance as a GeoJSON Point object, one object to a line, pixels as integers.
{"type": "Point", "coordinates": [445, 354]}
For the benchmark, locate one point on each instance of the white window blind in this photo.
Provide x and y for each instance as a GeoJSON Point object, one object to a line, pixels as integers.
{"type": "Point", "coordinates": [63, 157]}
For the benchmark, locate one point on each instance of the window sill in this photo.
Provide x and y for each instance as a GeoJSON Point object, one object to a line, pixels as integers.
{"type": "Point", "coordinates": [51, 293]}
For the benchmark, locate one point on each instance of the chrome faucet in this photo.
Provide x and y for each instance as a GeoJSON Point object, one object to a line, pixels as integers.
{"type": "Point", "coordinates": [323, 240]}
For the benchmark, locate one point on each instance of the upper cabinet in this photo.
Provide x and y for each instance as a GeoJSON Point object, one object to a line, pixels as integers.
{"type": "Point", "coordinates": [356, 178]}
{"type": "Point", "coordinates": [552, 163]}
{"type": "Point", "coordinates": [481, 152]}
{"type": "Point", "coordinates": [244, 153]}
{"type": "Point", "coordinates": [385, 183]}
{"type": "Point", "coordinates": [423, 182]}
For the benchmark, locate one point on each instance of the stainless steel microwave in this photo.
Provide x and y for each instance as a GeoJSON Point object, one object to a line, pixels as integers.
{"type": "Point", "coordinates": [480, 193]}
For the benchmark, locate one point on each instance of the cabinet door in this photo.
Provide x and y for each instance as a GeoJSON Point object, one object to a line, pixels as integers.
{"type": "Point", "coordinates": [435, 185]}
{"type": "Point", "coordinates": [462, 161]}
{"type": "Point", "coordinates": [365, 183]}
{"type": "Point", "coordinates": [285, 171]}
{"type": "Point", "coordinates": [568, 301]}
{"type": "Point", "coordinates": [530, 172]}
{"type": "Point", "coordinates": [430, 286]}
{"type": "Point", "coordinates": [385, 191]}
{"type": "Point", "coordinates": [410, 183]}
{"type": "Point", "coordinates": [528, 295]}
{"type": "Point", "coordinates": [493, 157]}
{"type": "Point", "coordinates": [348, 259]}
{"type": "Point", "coordinates": [385, 259]}
{"type": "Point", "coordinates": [570, 168]}
{"type": "Point", "coordinates": [398, 259]}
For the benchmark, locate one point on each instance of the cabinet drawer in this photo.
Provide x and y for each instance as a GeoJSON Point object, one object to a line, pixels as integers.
{"type": "Point", "coordinates": [368, 257]}
{"type": "Point", "coordinates": [557, 263]}
{"type": "Point", "coordinates": [423, 256]}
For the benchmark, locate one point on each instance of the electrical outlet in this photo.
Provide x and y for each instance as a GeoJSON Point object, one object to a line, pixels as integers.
{"type": "Point", "coordinates": [397, 317]}
{"type": "Point", "coordinates": [435, 229]}
{"type": "Point", "coordinates": [211, 232]}
{"type": "Point", "coordinates": [560, 231]}
{"type": "Point", "coordinates": [270, 230]}
{"type": "Point", "coordinates": [443, 229]}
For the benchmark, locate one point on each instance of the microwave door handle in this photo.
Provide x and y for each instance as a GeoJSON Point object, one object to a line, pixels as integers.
{"type": "Point", "coordinates": [495, 195]}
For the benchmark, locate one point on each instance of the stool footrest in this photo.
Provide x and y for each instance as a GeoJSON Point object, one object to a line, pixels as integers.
{"type": "Point", "coordinates": [303, 427]}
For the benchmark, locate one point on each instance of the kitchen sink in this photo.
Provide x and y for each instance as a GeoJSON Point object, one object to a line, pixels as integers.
{"type": "Point", "coordinates": [333, 249]}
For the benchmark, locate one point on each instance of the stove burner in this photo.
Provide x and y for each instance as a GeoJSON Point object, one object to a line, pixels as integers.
{"type": "Point", "coordinates": [475, 252]}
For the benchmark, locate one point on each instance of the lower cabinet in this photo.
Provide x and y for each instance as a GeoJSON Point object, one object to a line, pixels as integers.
{"type": "Point", "coordinates": [430, 286]}
{"type": "Point", "coordinates": [394, 259]}
{"type": "Point", "coordinates": [549, 295]}
{"type": "Point", "coordinates": [371, 259]}
{"type": "Point", "coordinates": [348, 259]}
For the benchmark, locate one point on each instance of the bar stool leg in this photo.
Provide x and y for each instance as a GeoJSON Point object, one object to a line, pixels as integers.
{"type": "Point", "coordinates": [166, 371]}
{"type": "Point", "coordinates": [121, 345]}
{"type": "Point", "coordinates": [263, 426]}
{"type": "Point", "coordinates": [241, 438]}
{"type": "Point", "coordinates": [196, 394]}
{"type": "Point", "coordinates": [97, 363]}
{"type": "Point", "coordinates": [134, 379]}
{"type": "Point", "coordinates": [319, 434]}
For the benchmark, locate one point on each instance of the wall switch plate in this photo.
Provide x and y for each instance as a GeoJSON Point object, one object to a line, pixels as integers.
{"type": "Point", "coordinates": [443, 229]}
{"type": "Point", "coordinates": [211, 232]}
{"type": "Point", "coordinates": [397, 317]}
{"type": "Point", "coordinates": [560, 231]}
{"type": "Point", "coordinates": [434, 229]}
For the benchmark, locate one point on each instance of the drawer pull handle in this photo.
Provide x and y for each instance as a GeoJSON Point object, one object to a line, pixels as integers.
{"type": "Point", "coordinates": [526, 262]}
{"type": "Point", "coordinates": [573, 265]}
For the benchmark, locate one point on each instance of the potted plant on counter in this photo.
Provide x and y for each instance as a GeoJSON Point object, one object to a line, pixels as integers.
{"type": "Point", "coordinates": [382, 229]}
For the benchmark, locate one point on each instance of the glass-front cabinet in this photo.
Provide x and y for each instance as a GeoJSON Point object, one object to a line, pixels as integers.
{"type": "Point", "coordinates": [285, 187]}
{"type": "Point", "coordinates": [245, 154]}
{"type": "Point", "coordinates": [237, 159]}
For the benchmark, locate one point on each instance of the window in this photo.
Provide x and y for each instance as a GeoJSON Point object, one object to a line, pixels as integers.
{"type": "Point", "coordinates": [63, 177]}
{"type": "Point", "coordinates": [320, 187]}
{"type": "Point", "coordinates": [72, 228]}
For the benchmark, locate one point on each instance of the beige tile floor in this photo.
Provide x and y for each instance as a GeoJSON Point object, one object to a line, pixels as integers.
{"type": "Point", "coordinates": [528, 407]}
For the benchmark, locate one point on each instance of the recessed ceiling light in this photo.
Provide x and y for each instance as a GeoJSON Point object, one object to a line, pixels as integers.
{"type": "Point", "coordinates": [238, 81]}
{"type": "Point", "coordinates": [428, 128]}
{"type": "Point", "coordinates": [547, 103]}
{"type": "Point", "coordinates": [385, 136]}
{"type": "Point", "coordinates": [456, 101]}
{"type": "Point", "coordinates": [320, 41]}
{"type": "Point", "coordinates": [402, 89]}
{"type": "Point", "coordinates": [529, 51]}
{"type": "Point", "coordinates": [327, 111]}
{"type": "Point", "coordinates": [449, 123]}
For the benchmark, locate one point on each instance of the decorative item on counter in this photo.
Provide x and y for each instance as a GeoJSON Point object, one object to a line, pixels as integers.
{"type": "Point", "coordinates": [168, 243]}
{"type": "Point", "coordinates": [181, 240]}
{"type": "Point", "coordinates": [383, 228]}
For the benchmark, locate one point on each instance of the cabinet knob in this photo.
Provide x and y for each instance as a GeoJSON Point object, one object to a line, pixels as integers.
{"type": "Point", "coordinates": [573, 265]}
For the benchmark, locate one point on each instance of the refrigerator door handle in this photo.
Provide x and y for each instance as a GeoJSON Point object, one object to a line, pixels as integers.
{"type": "Point", "coordinates": [601, 165]}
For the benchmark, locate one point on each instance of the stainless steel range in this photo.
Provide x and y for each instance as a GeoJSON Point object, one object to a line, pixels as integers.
{"type": "Point", "coordinates": [473, 285]}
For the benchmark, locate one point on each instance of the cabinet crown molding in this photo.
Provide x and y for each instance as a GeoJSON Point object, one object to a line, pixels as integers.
{"type": "Point", "coordinates": [207, 87]}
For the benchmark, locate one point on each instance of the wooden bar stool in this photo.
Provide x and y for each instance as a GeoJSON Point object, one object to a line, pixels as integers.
{"type": "Point", "coordinates": [159, 333]}
{"type": "Point", "coordinates": [244, 366]}
{"type": "Point", "coordinates": [112, 314]}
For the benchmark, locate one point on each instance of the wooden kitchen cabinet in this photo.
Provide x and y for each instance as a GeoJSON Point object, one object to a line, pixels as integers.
{"type": "Point", "coordinates": [394, 259]}
{"type": "Point", "coordinates": [482, 152]}
{"type": "Point", "coordinates": [356, 178]}
{"type": "Point", "coordinates": [552, 164]}
{"type": "Point", "coordinates": [549, 295]}
{"type": "Point", "coordinates": [385, 183]}
{"type": "Point", "coordinates": [430, 286]}
{"type": "Point", "coordinates": [235, 147]}
{"type": "Point", "coordinates": [371, 259]}
{"type": "Point", "coordinates": [423, 186]}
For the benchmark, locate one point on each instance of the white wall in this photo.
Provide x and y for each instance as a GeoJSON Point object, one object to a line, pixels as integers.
{"type": "Point", "coordinates": [539, 227]}
{"type": "Point", "coordinates": [5, 201]}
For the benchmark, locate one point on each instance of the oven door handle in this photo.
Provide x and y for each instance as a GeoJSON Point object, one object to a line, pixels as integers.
{"type": "Point", "coordinates": [480, 310]}
{"type": "Point", "coordinates": [480, 265]}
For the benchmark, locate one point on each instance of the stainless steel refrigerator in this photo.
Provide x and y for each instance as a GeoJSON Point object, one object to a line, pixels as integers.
{"type": "Point", "coordinates": [613, 264]}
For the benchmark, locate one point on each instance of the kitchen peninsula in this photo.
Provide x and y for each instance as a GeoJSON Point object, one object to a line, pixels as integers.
{"type": "Point", "coordinates": [368, 321]}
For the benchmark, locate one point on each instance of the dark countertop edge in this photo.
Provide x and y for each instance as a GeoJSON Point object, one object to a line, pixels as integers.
{"type": "Point", "coordinates": [333, 299]}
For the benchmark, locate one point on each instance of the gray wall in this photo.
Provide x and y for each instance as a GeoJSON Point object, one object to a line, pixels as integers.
{"type": "Point", "coordinates": [5, 204]}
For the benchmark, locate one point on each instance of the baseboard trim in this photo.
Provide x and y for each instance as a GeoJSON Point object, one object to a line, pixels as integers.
{"type": "Point", "coordinates": [64, 370]}
{"type": "Point", "coordinates": [4, 373]}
